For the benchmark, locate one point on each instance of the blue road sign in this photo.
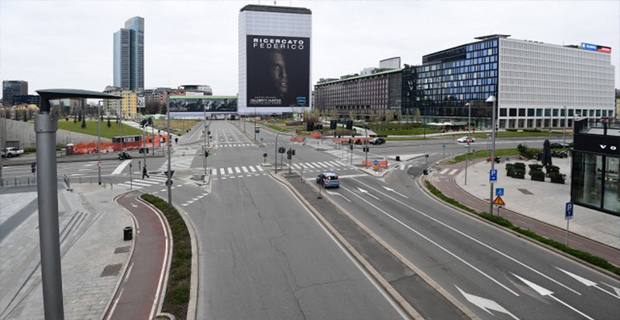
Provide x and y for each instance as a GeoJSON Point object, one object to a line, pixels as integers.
{"type": "Point", "coordinates": [261, 139]}
{"type": "Point", "coordinates": [493, 175]}
{"type": "Point", "coordinates": [443, 145]}
{"type": "Point", "coordinates": [499, 191]}
{"type": "Point", "coordinates": [376, 162]}
{"type": "Point", "coordinates": [569, 210]}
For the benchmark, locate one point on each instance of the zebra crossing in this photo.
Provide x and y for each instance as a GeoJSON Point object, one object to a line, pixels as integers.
{"type": "Point", "coordinates": [137, 184]}
{"type": "Point", "coordinates": [195, 199]}
{"type": "Point", "coordinates": [234, 145]}
{"type": "Point", "coordinates": [256, 170]}
{"type": "Point", "coordinates": [451, 171]}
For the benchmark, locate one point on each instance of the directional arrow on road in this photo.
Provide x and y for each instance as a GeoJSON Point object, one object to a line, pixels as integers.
{"type": "Point", "coordinates": [134, 205]}
{"type": "Point", "coordinates": [366, 192]}
{"type": "Point", "coordinates": [589, 283]}
{"type": "Point", "coordinates": [544, 292]}
{"type": "Point", "coordinates": [392, 190]}
{"type": "Point", "coordinates": [337, 194]}
{"type": "Point", "coordinates": [485, 304]}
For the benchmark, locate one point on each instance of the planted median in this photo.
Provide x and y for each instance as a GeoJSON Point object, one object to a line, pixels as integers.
{"type": "Point", "coordinates": [176, 300]}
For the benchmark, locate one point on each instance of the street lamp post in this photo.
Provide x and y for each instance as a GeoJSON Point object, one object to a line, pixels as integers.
{"type": "Point", "coordinates": [494, 101]}
{"type": "Point", "coordinates": [275, 155]}
{"type": "Point", "coordinates": [565, 123]}
{"type": "Point", "coordinates": [99, 142]}
{"type": "Point", "coordinates": [204, 130]}
{"type": "Point", "coordinates": [468, 139]}
{"type": "Point", "coordinates": [120, 126]}
{"type": "Point", "coordinates": [45, 127]}
{"type": "Point", "coordinates": [254, 123]}
{"type": "Point", "coordinates": [169, 181]}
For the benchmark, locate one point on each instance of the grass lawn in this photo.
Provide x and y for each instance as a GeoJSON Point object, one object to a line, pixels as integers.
{"type": "Point", "coordinates": [406, 132]}
{"type": "Point", "coordinates": [177, 126]}
{"type": "Point", "coordinates": [406, 138]}
{"type": "Point", "coordinates": [91, 128]}
{"type": "Point", "coordinates": [514, 134]}
{"type": "Point", "coordinates": [483, 154]}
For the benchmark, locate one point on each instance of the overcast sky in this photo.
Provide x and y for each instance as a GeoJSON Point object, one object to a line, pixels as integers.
{"type": "Point", "coordinates": [68, 44]}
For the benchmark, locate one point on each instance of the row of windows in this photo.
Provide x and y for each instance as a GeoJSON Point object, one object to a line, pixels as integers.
{"type": "Point", "coordinates": [561, 53]}
{"type": "Point", "coordinates": [450, 97]}
{"type": "Point", "coordinates": [481, 53]}
{"type": "Point", "coordinates": [549, 99]}
{"type": "Point", "coordinates": [568, 92]}
{"type": "Point", "coordinates": [468, 90]}
{"type": "Point", "coordinates": [555, 84]}
{"type": "Point", "coordinates": [540, 69]}
{"type": "Point", "coordinates": [482, 45]}
{"type": "Point", "coordinates": [473, 68]}
{"type": "Point", "coordinates": [577, 65]}
{"type": "Point", "coordinates": [567, 76]}
{"type": "Point", "coordinates": [487, 77]}
{"type": "Point", "coordinates": [548, 112]}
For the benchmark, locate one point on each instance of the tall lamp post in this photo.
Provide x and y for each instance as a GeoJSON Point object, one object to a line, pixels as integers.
{"type": "Point", "coordinates": [255, 123]}
{"type": "Point", "coordinates": [494, 101]}
{"type": "Point", "coordinates": [565, 123]}
{"type": "Point", "coordinates": [204, 131]}
{"type": "Point", "coordinates": [99, 142]}
{"type": "Point", "coordinates": [468, 139]}
{"type": "Point", "coordinates": [45, 127]}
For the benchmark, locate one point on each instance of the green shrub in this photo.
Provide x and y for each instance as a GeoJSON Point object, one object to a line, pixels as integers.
{"type": "Point", "coordinates": [557, 177]}
{"type": "Point", "coordinates": [537, 175]}
{"type": "Point", "coordinates": [510, 168]}
{"type": "Point", "coordinates": [552, 169]}
{"type": "Point", "coordinates": [535, 167]}
{"type": "Point", "coordinates": [519, 174]}
{"type": "Point", "coordinates": [30, 150]}
{"type": "Point", "coordinates": [519, 166]}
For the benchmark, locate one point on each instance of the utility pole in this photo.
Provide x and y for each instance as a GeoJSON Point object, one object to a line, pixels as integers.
{"type": "Point", "coordinates": [493, 113]}
{"type": "Point", "coordinates": [169, 181]}
{"type": "Point", "coordinates": [99, 142]}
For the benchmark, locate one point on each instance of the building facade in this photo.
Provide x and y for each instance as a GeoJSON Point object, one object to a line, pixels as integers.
{"type": "Point", "coordinates": [197, 89]}
{"type": "Point", "coordinates": [127, 107]}
{"type": "Point", "coordinates": [27, 99]}
{"type": "Point", "coordinates": [129, 55]}
{"type": "Point", "coordinates": [537, 85]}
{"type": "Point", "coordinates": [360, 96]}
{"type": "Point", "coordinates": [12, 88]}
{"type": "Point", "coordinates": [274, 59]}
{"type": "Point", "coordinates": [596, 165]}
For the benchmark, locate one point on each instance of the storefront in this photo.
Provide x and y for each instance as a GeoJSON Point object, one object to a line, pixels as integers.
{"type": "Point", "coordinates": [596, 165]}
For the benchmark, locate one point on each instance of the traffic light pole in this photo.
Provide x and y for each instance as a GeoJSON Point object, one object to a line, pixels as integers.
{"type": "Point", "coordinates": [169, 181]}
{"type": "Point", "coordinates": [276, 152]}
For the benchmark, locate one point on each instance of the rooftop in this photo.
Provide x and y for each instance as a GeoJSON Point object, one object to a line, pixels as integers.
{"type": "Point", "coordinates": [260, 8]}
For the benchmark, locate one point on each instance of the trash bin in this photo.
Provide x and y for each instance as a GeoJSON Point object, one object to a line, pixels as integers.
{"type": "Point", "coordinates": [69, 149]}
{"type": "Point", "coordinates": [397, 158]}
{"type": "Point", "coordinates": [425, 172]}
{"type": "Point", "coordinates": [127, 233]}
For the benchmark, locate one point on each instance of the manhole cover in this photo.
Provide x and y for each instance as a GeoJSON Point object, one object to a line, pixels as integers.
{"type": "Point", "coordinates": [111, 270]}
{"type": "Point", "coordinates": [122, 249]}
{"type": "Point", "coordinates": [525, 191]}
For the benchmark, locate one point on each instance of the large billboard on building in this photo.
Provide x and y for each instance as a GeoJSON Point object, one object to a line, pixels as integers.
{"type": "Point", "coordinates": [278, 73]}
{"type": "Point", "coordinates": [195, 106]}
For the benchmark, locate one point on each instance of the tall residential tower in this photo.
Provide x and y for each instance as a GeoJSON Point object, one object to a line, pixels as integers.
{"type": "Point", "coordinates": [129, 55]}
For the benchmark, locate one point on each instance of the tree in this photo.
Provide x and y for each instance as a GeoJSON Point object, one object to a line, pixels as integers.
{"type": "Point", "coordinates": [152, 107]}
{"type": "Point", "coordinates": [25, 115]}
{"type": "Point", "coordinates": [83, 122]}
{"type": "Point", "coordinates": [399, 115]}
{"type": "Point", "coordinates": [80, 116]}
{"type": "Point", "coordinates": [74, 118]}
{"type": "Point", "coordinates": [352, 115]}
{"type": "Point", "coordinates": [417, 115]}
{"type": "Point", "coordinates": [109, 124]}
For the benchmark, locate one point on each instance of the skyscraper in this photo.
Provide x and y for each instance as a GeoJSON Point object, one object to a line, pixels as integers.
{"type": "Point", "coordinates": [12, 88]}
{"type": "Point", "coordinates": [129, 55]}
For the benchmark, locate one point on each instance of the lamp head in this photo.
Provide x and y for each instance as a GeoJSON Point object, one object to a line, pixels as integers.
{"type": "Point", "coordinates": [491, 99]}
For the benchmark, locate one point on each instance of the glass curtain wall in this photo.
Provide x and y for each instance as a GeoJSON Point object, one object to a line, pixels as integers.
{"type": "Point", "coordinates": [595, 182]}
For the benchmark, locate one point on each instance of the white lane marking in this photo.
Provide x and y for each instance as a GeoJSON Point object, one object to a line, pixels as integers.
{"type": "Point", "coordinates": [615, 289]}
{"type": "Point", "coordinates": [340, 163]}
{"type": "Point", "coordinates": [222, 171]}
{"type": "Point", "coordinates": [475, 240]}
{"type": "Point", "coordinates": [485, 304]}
{"type": "Point", "coordinates": [141, 183]}
{"type": "Point", "coordinates": [252, 169]}
{"type": "Point", "coordinates": [453, 172]}
{"type": "Point", "coordinates": [589, 283]}
{"type": "Point", "coordinates": [296, 166]}
{"type": "Point", "coordinates": [304, 166]}
{"type": "Point", "coordinates": [333, 163]}
{"type": "Point", "coordinates": [544, 292]}
{"type": "Point", "coordinates": [311, 165]}
{"type": "Point", "coordinates": [321, 164]}
{"type": "Point", "coordinates": [230, 170]}
{"type": "Point", "coordinates": [259, 168]}
{"type": "Point", "coordinates": [354, 260]}
{"type": "Point", "coordinates": [237, 170]}
{"type": "Point", "coordinates": [121, 167]}
{"type": "Point", "coordinates": [402, 167]}
{"type": "Point", "coordinates": [435, 243]}
{"type": "Point", "coordinates": [245, 169]}
{"type": "Point", "coordinates": [444, 171]}
{"type": "Point", "coordinates": [337, 194]}
{"type": "Point", "coordinates": [366, 192]}
{"type": "Point", "coordinates": [392, 190]}
{"type": "Point", "coordinates": [115, 304]}
{"type": "Point", "coordinates": [128, 272]}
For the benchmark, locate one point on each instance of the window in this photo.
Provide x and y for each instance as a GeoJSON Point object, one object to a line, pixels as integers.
{"type": "Point", "coordinates": [502, 112]}
{"type": "Point", "coordinates": [513, 112]}
{"type": "Point", "coordinates": [521, 112]}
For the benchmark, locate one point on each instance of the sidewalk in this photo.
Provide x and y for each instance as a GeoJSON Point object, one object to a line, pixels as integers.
{"type": "Point", "coordinates": [533, 205]}
{"type": "Point", "coordinates": [93, 255]}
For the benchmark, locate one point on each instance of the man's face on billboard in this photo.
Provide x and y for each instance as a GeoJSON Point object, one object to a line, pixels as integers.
{"type": "Point", "coordinates": [277, 72]}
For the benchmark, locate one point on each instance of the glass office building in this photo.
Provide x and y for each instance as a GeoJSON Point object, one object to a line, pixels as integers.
{"type": "Point", "coordinates": [596, 165]}
{"type": "Point", "coordinates": [129, 55]}
{"type": "Point", "coordinates": [12, 88]}
{"type": "Point", "coordinates": [538, 85]}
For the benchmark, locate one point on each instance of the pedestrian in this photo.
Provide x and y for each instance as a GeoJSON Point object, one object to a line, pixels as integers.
{"type": "Point", "coordinates": [144, 172]}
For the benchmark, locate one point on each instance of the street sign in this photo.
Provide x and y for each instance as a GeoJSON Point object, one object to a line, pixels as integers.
{"type": "Point", "coordinates": [375, 164]}
{"type": "Point", "coordinates": [168, 182]}
{"type": "Point", "coordinates": [261, 139]}
{"type": "Point", "coordinates": [499, 191]}
{"type": "Point", "coordinates": [443, 145]}
{"type": "Point", "coordinates": [265, 154]}
{"type": "Point", "coordinates": [171, 173]}
{"type": "Point", "coordinates": [569, 210]}
{"type": "Point", "coordinates": [499, 201]}
{"type": "Point", "coordinates": [493, 175]}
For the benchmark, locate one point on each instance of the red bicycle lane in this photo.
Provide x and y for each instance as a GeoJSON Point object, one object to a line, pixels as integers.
{"type": "Point", "coordinates": [141, 288]}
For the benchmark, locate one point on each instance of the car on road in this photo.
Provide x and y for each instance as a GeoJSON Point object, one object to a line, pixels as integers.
{"type": "Point", "coordinates": [556, 145]}
{"type": "Point", "coordinates": [377, 141]}
{"type": "Point", "coordinates": [328, 180]}
{"type": "Point", "coordinates": [465, 139]}
{"type": "Point", "coordinates": [11, 152]}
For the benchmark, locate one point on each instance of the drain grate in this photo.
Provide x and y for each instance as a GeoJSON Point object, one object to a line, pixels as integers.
{"type": "Point", "coordinates": [525, 191]}
{"type": "Point", "coordinates": [111, 270]}
{"type": "Point", "coordinates": [122, 249]}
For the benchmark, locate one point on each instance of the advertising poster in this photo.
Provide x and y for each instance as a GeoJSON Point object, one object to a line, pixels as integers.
{"type": "Point", "coordinates": [278, 71]}
{"type": "Point", "coordinates": [208, 104]}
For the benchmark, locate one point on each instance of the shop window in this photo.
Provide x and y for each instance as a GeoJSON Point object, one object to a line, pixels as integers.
{"type": "Point", "coordinates": [587, 177]}
{"type": "Point", "coordinates": [611, 196]}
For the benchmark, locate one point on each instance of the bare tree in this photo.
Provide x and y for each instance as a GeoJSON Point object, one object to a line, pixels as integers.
{"type": "Point", "coordinates": [417, 115]}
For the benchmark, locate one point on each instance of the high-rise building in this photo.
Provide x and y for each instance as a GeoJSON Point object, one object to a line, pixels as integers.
{"type": "Point", "coordinates": [129, 55]}
{"type": "Point", "coordinates": [12, 88]}
{"type": "Point", "coordinates": [274, 59]}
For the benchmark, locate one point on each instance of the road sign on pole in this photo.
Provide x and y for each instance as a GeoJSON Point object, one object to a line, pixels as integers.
{"type": "Point", "coordinates": [569, 210]}
{"type": "Point", "coordinates": [499, 191]}
{"type": "Point", "coordinates": [499, 201]}
{"type": "Point", "coordinates": [375, 164]}
{"type": "Point", "coordinates": [493, 176]}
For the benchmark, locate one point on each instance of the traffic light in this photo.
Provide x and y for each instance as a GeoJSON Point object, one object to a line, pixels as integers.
{"type": "Point", "coordinates": [309, 126]}
{"type": "Point", "coordinates": [206, 153]}
{"type": "Point", "coordinates": [366, 149]}
{"type": "Point", "coordinates": [333, 124]}
{"type": "Point", "coordinates": [349, 125]}
{"type": "Point", "coordinates": [33, 167]}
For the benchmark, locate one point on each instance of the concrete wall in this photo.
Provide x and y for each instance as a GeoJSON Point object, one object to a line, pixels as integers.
{"type": "Point", "coordinates": [11, 130]}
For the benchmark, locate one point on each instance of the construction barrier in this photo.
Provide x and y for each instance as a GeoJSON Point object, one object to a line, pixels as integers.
{"type": "Point", "coordinates": [360, 140]}
{"type": "Point", "coordinates": [382, 164]}
{"type": "Point", "coordinates": [298, 139]}
{"type": "Point", "coordinates": [106, 146]}
{"type": "Point", "coordinates": [316, 135]}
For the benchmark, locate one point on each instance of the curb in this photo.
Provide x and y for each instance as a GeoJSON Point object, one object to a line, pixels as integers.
{"type": "Point", "coordinates": [516, 234]}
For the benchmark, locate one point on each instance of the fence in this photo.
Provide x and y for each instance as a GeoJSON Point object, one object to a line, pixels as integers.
{"type": "Point", "coordinates": [382, 164]}
{"type": "Point", "coordinates": [18, 181]}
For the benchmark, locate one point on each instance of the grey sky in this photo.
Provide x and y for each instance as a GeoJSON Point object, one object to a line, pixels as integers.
{"type": "Point", "coordinates": [68, 44]}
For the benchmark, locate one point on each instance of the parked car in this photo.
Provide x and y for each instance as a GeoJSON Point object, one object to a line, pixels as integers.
{"type": "Point", "coordinates": [465, 139]}
{"type": "Point", "coordinates": [328, 180]}
{"type": "Point", "coordinates": [556, 145]}
{"type": "Point", "coordinates": [377, 141]}
{"type": "Point", "coordinates": [559, 154]}
{"type": "Point", "coordinates": [11, 152]}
